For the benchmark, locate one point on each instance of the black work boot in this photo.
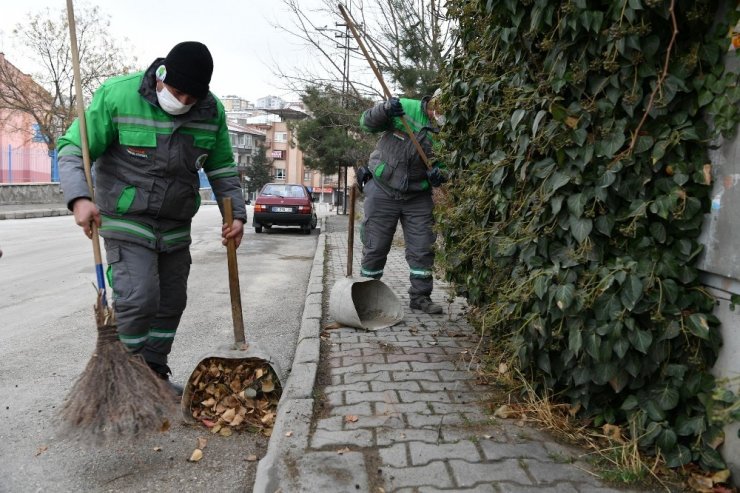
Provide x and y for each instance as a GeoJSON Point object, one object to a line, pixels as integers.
{"type": "Point", "coordinates": [425, 304]}
{"type": "Point", "coordinates": [163, 372]}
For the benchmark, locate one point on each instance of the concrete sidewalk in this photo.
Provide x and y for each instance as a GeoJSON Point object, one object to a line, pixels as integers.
{"type": "Point", "coordinates": [398, 410]}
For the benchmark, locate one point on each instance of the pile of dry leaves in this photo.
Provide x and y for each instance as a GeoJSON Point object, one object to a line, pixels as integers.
{"type": "Point", "coordinates": [234, 395]}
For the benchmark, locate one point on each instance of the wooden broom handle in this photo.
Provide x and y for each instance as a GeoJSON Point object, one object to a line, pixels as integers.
{"type": "Point", "coordinates": [234, 290]}
{"type": "Point", "coordinates": [351, 231]}
{"type": "Point", "coordinates": [387, 91]}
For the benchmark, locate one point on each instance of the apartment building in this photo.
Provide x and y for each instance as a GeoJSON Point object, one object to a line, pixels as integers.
{"type": "Point", "coordinates": [24, 154]}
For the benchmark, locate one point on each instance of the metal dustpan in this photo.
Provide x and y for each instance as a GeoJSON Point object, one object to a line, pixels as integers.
{"type": "Point", "coordinates": [362, 303]}
{"type": "Point", "coordinates": [241, 354]}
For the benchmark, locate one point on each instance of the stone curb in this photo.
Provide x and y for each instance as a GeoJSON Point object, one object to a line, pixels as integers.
{"type": "Point", "coordinates": [35, 213]}
{"type": "Point", "coordinates": [296, 405]}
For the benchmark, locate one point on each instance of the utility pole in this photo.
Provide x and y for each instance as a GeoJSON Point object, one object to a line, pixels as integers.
{"type": "Point", "coordinates": [346, 35]}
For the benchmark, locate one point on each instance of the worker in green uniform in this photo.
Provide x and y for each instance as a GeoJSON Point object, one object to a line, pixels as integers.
{"type": "Point", "coordinates": [149, 133]}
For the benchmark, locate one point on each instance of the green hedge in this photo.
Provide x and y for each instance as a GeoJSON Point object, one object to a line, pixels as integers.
{"type": "Point", "coordinates": [571, 221]}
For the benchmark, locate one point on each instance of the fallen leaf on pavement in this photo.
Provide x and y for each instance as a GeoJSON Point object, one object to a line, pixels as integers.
{"type": "Point", "coordinates": [196, 455]}
{"type": "Point", "coordinates": [251, 458]}
{"type": "Point", "coordinates": [41, 450]}
{"type": "Point", "coordinates": [225, 431]}
{"type": "Point", "coordinates": [157, 449]}
{"type": "Point", "coordinates": [343, 450]}
{"type": "Point", "coordinates": [202, 442]}
{"type": "Point", "coordinates": [332, 326]}
{"type": "Point", "coordinates": [288, 433]}
{"type": "Point", "coordinates": [503, 412]}
{"type": "Point", "coordinates": [351, 418]}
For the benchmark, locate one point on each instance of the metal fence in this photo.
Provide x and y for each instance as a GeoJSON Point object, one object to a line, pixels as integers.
{"type": "Point", "coordinates": [23, 165]}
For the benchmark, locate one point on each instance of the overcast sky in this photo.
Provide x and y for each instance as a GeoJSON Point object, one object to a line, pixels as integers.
{"type": "Point", "coordinates": [239, 33]}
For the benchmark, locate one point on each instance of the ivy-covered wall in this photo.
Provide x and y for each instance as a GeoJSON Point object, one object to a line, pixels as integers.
{"type": "Point", "coordinates": [577, 135]}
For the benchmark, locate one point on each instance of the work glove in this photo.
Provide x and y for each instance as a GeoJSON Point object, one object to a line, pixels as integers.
{"type": "Point", "coordinates": [393, 107]}
{"type": "Point", "coordinates": [436, 176]}
{"type": "Point", "coordinates": [363, 176]}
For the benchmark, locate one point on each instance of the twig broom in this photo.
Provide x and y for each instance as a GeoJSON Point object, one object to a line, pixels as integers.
{"type": "Point", "coordinates": [117, 396]}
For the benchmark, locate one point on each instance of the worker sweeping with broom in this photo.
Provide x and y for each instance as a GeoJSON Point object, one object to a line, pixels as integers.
{"type": "Point", "coordinates": [149, 133]}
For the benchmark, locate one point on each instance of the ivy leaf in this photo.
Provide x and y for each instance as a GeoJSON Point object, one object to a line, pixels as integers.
{"type": "Point", "coordinates": [537, 119]}
{"type": "Point", "coordinates": [620, 381]}
{"type": "Point", "coordinates": [592, 345]}
{"type": "Point", "coordinates": [516, 117]}
{"type": "Point", "coordinates": [555, 181]}
{"type": "Point", "coordinates": [609, 146]}
{"type": "Point", "coordinates": [658, 231]}
{"type": "Point", "coordinates": [667, 397]}
{"type": "Point", "coordinates": [644, 143]}
{"type": "Point", "coordinates": [575, 340]}
{"type": "Point", "coordinates": [640, 339]}
{"type": "Point", "coordinates": [687, 426]}
{"type": "Point", "coordinates": [653, 410]}
{"type": "Point", "coordinates": [629, 403]}
{"type": "Point", "coordinates": [698, 325]}
{"type": "Point", "coordinates": [576, 203]}
{"type": "Point", "coordinates": [603, 372]}
{"type": "Point", "coordinates": [659, 149]}
{"type": "Point", "coordinates": [705, 97]}
{"type": "Point", "coordinates": [580, 228]}
{"type": "Point", "coordinates": [605, 224]}
{"type": "Point", "coordinates": [677, 457]}
{"type": "Point", "coordinates": [543, 362]}
{"type": "Point", "coordinates": [564, 295]}
{"type": "Point", "coordinates": [711, 459]}
{"type": "Point", "coordinates": [558, 112]}
{"type": "Point", "coordinates": [540, 286]}
{"type": "Point", "coordinates": [650, 45]}
{"type": "Point", "coordinates": [631, 292]}
{"type": "Point", "coordinates": [667, 440]}
{"type": "Point", "coordinates": [652, 432]}
{"type": "Point", "coordinates": [620, 347]}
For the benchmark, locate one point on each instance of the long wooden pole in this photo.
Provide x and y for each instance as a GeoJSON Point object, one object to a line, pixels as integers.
{"type": "Point", "coordinates": [84, 144]}
{"type": "Point", "coordinates": [387, 91]}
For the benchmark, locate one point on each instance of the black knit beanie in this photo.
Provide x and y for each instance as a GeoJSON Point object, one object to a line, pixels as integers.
{"type": "Point", "coordinates": [189, 67]}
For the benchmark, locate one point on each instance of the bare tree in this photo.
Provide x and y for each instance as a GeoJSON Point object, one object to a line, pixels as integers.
{"type": "Point", "coordinates": [409, 41]}
{"type": "Point", "coordinates": [48, 94]}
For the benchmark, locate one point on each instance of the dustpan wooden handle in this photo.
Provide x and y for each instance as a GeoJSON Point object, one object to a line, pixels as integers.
{"type": "Point", "coordinates": [234, 290]}
{"type": "Point", "coordinates": [351, 231]}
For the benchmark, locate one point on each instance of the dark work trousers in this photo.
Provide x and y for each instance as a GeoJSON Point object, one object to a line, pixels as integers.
{"type": "Point", "coordinates": [382, 213]}
{"type": "Point", "coordinates": [149, 296]}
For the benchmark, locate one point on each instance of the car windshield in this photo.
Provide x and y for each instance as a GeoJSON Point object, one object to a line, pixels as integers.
{"type": "Point", "coordinates": [293, 191]}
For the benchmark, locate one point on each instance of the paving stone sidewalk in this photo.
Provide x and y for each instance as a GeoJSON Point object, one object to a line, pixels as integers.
{"type": "Point", "coordinates": [398, 410]}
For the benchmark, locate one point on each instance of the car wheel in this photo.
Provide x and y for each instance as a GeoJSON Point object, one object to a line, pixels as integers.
{"type": "Point", "coordinates": [258, 229]}
{"type": "Point", "coordinates": [314, 222]}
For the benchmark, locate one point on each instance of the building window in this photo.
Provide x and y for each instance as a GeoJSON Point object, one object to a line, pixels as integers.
{"type": "Point", "coordinates": [278, 154]}
{"type": "Point", "coordinates": [279, 173]}
{"type": "Point", "coordinates": [306, 176]}
{"type": "Point", "coordinates": [281, 136]}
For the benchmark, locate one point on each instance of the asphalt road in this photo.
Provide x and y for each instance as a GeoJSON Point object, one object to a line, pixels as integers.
{"type": "Point", "coordinates": [47, 334]}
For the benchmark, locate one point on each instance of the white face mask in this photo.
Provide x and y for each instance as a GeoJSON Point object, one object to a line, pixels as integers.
{"type": "Point", "coordinates": [440, 119]}
{"type": "Point", "coordinates": [170, 103]}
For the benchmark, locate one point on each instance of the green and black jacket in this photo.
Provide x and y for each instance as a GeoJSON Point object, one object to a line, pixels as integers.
{"type": "Point", "coordinates": [147, 161]}
{"type": "Point", "coordinates": [395, 163]}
